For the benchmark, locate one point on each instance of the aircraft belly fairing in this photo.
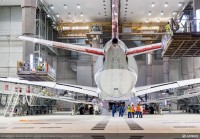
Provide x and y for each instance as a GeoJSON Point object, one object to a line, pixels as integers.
{"type": "Point", "coordinates": [116, 82]}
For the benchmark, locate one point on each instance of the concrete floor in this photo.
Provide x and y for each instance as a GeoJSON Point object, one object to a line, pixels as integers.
{"type": "Point", "coordinates": [183, 124]}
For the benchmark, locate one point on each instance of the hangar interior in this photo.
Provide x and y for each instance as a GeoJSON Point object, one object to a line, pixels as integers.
{"type": "Point", "coordinates": [89, 24]}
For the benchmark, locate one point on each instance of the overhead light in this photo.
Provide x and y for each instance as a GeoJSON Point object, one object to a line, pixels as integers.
{"type": "Point", "coordinates": [115, 13]}
{"type": "Point", "coordinates": [153, 4]}
{"type": "Point", "coordinates": [57, 15]}
{"type": "Point", "coordinates": [166, 4]}
{"type": "Point", "coordinates": [149, 13]}
{"type": "Point", "coordinates": [158, 20]}
{"type": "Point", "coordinates": [147, 20]}
{"type": "Point", "coordinates": [69, 14]}
{"type": "Point", "coordinates": [48, 15]}
{"type": "Point", "coordinates": [78, 6]}
{"type": "Point", "coordinates": [161, 13]}
{"type": "Point", "coordinates": [180, 4]}
{"type": "Point", "coordinates": [52, 7]}
{"type": "Point", "coordinates": [81, 14]}
{"type": "Point", "coordinates": [65, 6]}
{"type": "Point", "coordinates": [174, 13]}
{"type": "Point", "coordinates": [40, 59]}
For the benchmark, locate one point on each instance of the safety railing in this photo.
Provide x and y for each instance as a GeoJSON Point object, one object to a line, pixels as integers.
{"type": "Point", "coordinates": [26, 68]}
{"type": "Point", "coordinates": [165, 40]}
{"type": "Point", "coordinates": [185, 26]}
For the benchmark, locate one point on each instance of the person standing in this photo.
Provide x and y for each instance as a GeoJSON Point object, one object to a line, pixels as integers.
{"type": "Point", "coordinates": [121, 110]}
{"type": "Point", "coordinates": [141, 111]}
{"type": "Point", "coordinates": [132, 110]}
{"type": "Point", "coordinates": [138, 110]}
{"type": "Point", "coordinates": [129, 111]}
{"type": "Point", "coordinates": [113, 110]}
{"type": "Point", "coordinates": [168, 28]}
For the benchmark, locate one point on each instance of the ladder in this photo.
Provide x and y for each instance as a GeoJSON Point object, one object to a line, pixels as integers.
{"type": "Point", "coordinates": [10, 106]}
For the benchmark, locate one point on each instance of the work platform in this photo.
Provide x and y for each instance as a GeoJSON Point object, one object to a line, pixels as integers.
{"type": "Point", "coordinates": [181, 45]}
{"type": "Point", "coordinates": [35, 76]}
{"type": "Point", "coordinates": [36, 72]}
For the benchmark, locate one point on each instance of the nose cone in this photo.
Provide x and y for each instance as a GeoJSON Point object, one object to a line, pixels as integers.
{"type": "Point", "coordinates": [117, 82]}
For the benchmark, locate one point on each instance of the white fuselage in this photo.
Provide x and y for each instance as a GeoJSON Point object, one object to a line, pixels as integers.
{"type": "Point", "coordinates": [117, 74]}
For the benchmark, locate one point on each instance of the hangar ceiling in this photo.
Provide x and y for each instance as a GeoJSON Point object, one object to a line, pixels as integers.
{"type": "Point", "coordinates": [100, 10]}
{"type": "Point", "coordinates": [130, 10]}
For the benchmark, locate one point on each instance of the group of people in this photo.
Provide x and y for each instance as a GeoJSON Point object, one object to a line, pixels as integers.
{"type": "Point", "coordinates": [25, 66]}
{"type": "Point", "coordinates": [135, 110]}
{"type": "Point", "coordinates": [132, 110]}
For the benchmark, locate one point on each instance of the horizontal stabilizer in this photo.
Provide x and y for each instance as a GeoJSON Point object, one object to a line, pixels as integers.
{"type": "Point", "coordinates": [143, 49]}
{"type": "Point", "coordinates": [66, 46]}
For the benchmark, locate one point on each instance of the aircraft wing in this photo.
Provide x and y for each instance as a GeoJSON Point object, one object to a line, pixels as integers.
{"type": "Point", "coordinates": [164, 86]}
{"type": "Point", "coordinates": [143, 49]}
{"type": "Point", "coordinates": [66, 46]}
{"type": "Point", "coordinates": [58, 86]}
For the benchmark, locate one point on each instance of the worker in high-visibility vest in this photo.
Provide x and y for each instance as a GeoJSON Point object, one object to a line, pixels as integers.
{"type": "Point", "coordinates": [132, 110]}
{"type": "Point", "coordinates": [138, 110]}
{"type": "Point", "coordinates": [129, 111]}
{"type": "Point", "coordinates": [168, 28]}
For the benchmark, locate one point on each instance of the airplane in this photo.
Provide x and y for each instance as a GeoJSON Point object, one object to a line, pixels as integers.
{"type": "Point", "coordinates": [117, 69]}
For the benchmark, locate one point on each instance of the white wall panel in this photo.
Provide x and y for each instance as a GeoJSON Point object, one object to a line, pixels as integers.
{"type": "Point", "coordinates": [157, 74]}
{"type": "Point", "coordinates": [3, 72]}
{"type": "Point", "coordinates": [4, 60]}
{"type": "Point", "coordinates": [11, 49]}
{"type": "Point", "coordinates": [14, 57]}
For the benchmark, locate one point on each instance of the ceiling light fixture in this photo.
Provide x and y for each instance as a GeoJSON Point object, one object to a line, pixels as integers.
{"type": "Point", "coordinates": [78, 6]}
{"type": "Point", "coordinates": [158, 20]}
{"type": "Point", "coordinates": [174, 13]}
{"type": "Point", "coordinates": [153, 4]}
{"type": "Point", "coordinates": [161, 13]}
{"type": "Point", "coordinates": [180, 4]}
{"type": "Point", "coordinates": [48, 15]}
{"type": "Point", "coordinates": [166, 4]}
{"type": "Point", "coordinates": [69, 14]}
{"type": "Point", "coordinates": [52, 7]}
{"type": "Point", "coordinates": [65, 6]}
{"type": "Point", "coordinates": [149, 13]}
{"type": "Point", "coordinates": [147, 20]}
{"type": "Point", "coordinates": [57, 15]}
{"type": "Point", "coordinates": [81, 14]}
